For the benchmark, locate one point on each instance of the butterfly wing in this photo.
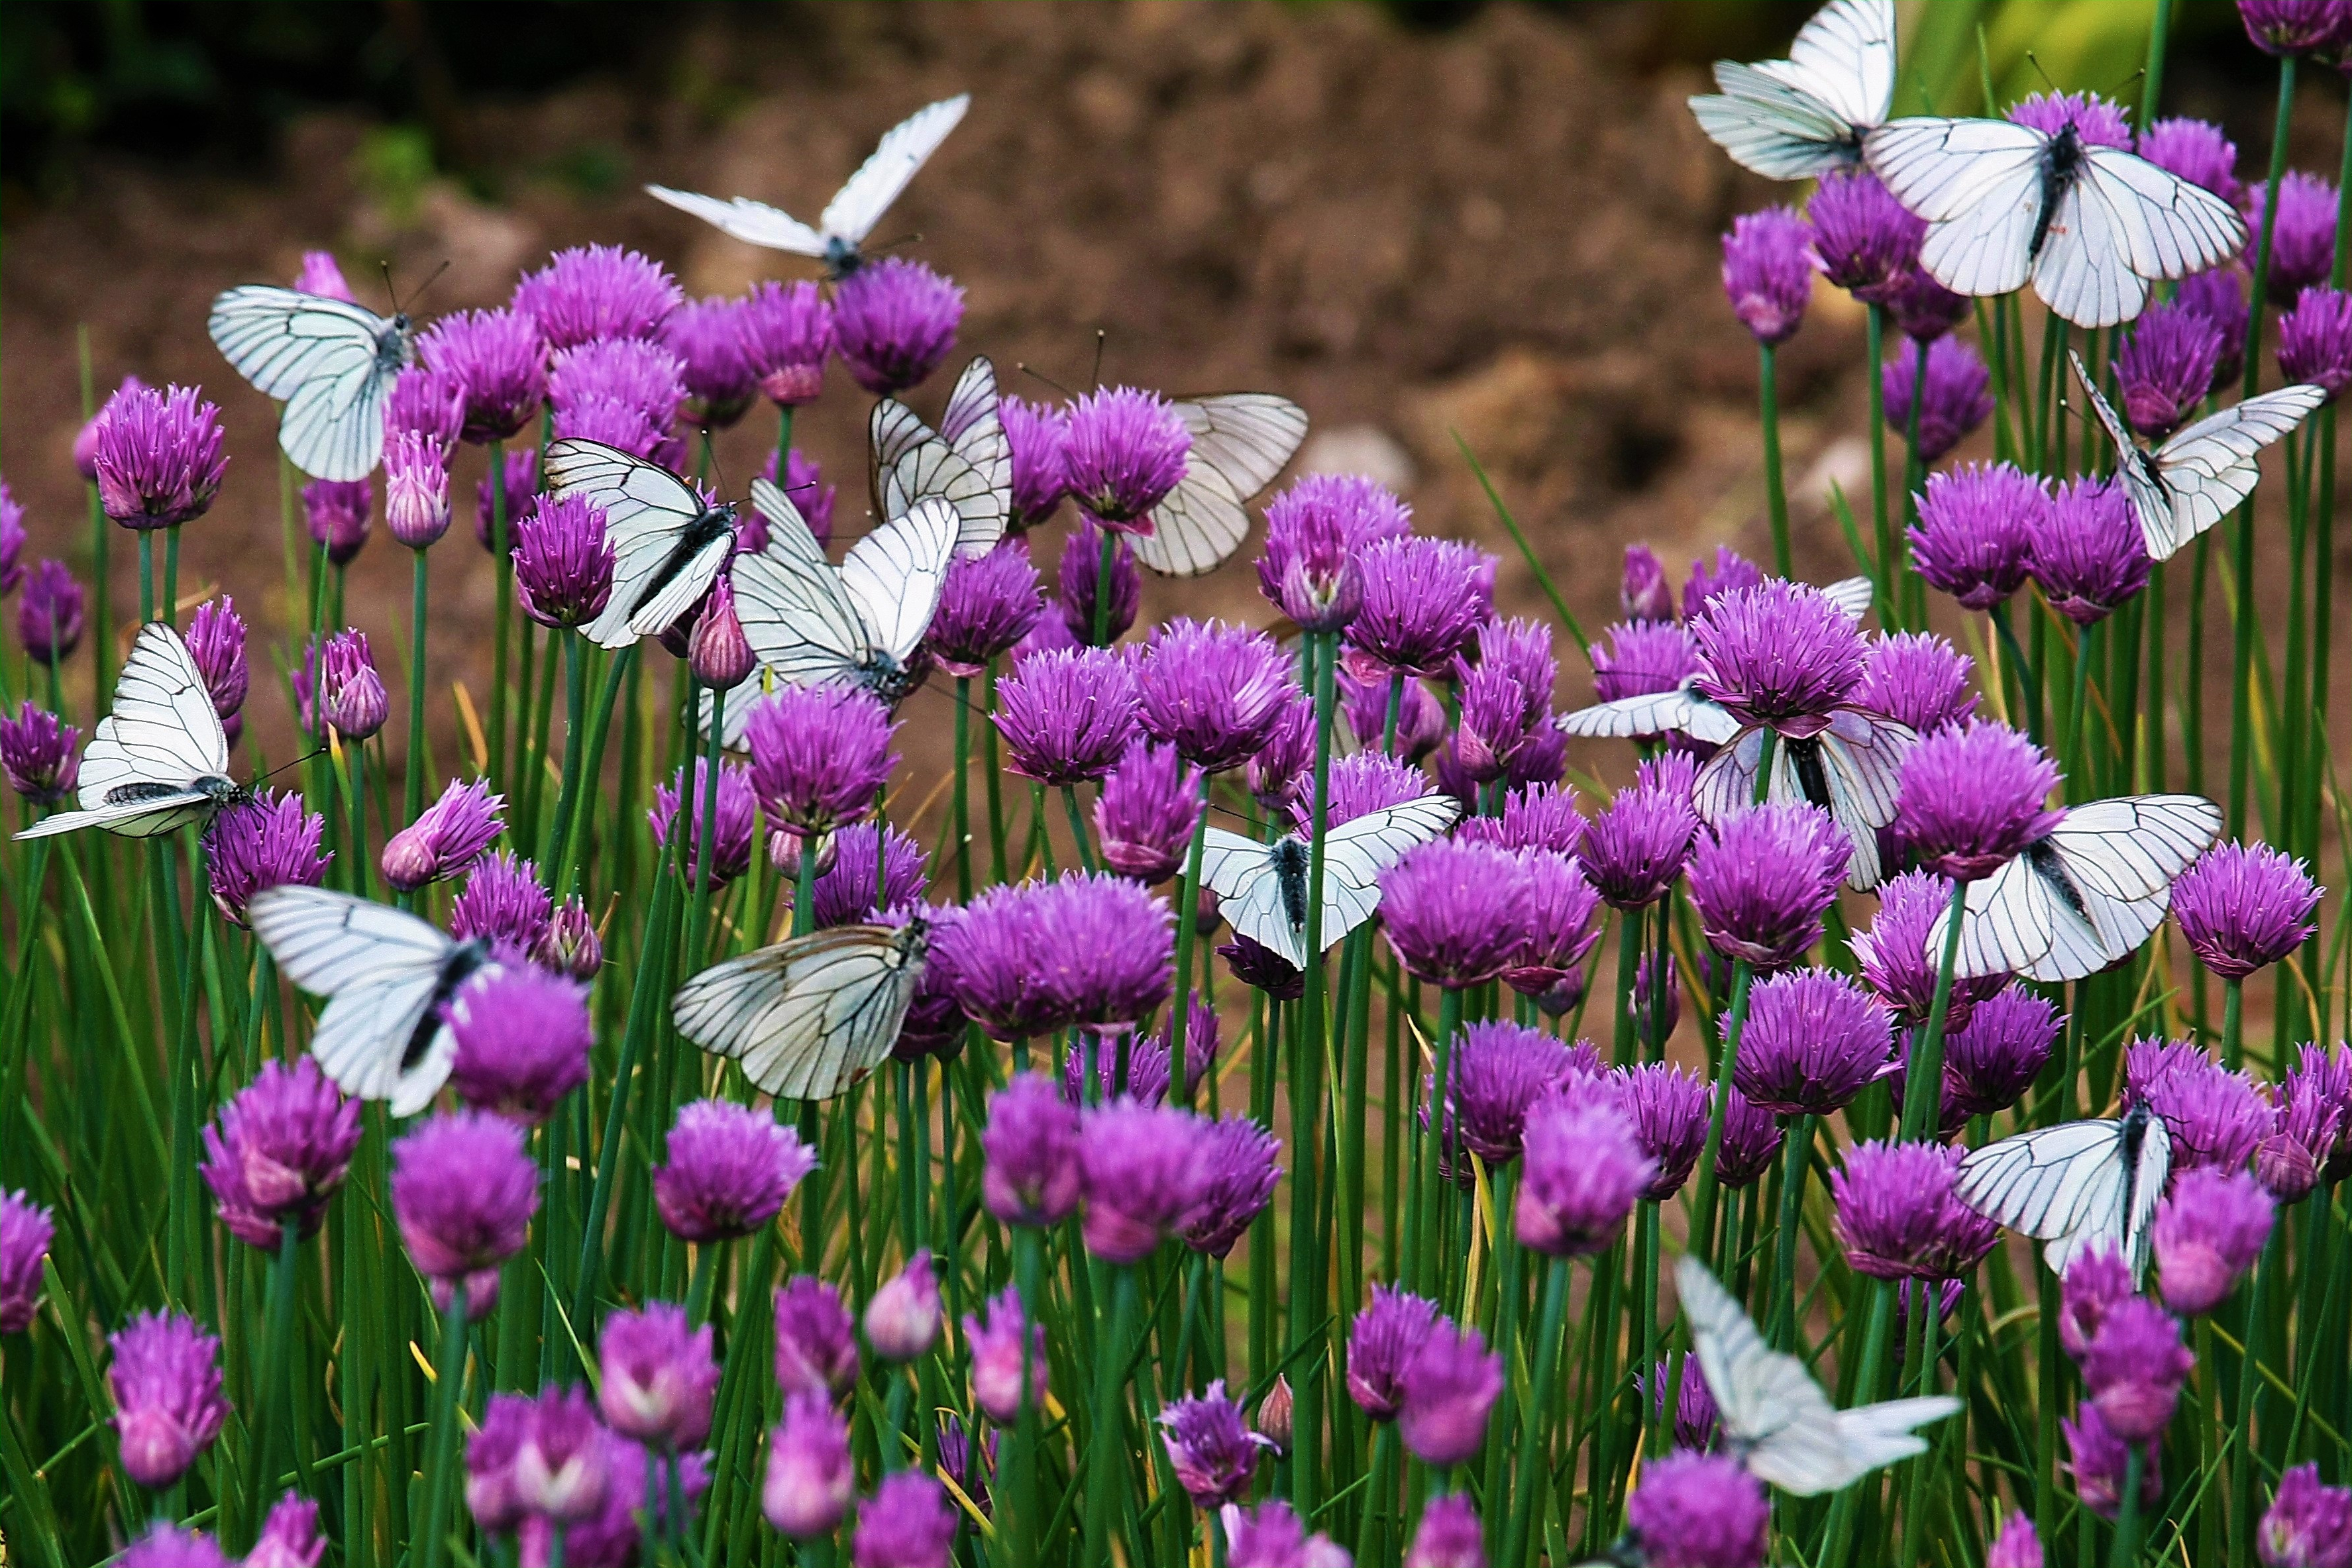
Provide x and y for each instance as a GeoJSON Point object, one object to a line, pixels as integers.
{"type": "Point", "coordinates": [1240, 872]}
{"type": "Point", "coordinates": [902, 151]}
{"type": "Point", "coordinates": [1855, 595]}
{"type": "Point", "coordinates": [648, 510]}
{"type": "Point", "coordinates": [2151, 503]}
{"type": "Point", "coordinates": [2207, 469]}
{"type": "Point", "coordinates": [138, 775]}
{"type": "Point", "coordinates": [1768, 1404]}
{"type": "Point", "coordinates": [1358, 851]}
{"type": "Point", "coordinates": [893, 576]}
{"type": "Point", "coordinates": [1800, 116]}
{"type": "Point", "coordinates": [801, 622]}
{"type": "Point", "coordinates": [753, 223]}
{"type": "Point", "coordinates": [320, 358]}
{"type": "Point", "coordinates": [1979, 184]}
{"type": "Point", "coordinates": [1240, 442]}
{"type": "Point", "coordinates": [974, 426]}
{"type": "Point", "coordinates": [2106, 878]}
{"type": "Point", "coordinates": [379, 969]}
{"type": "Point", "coordinates": [1845, 57]}
{"type": "Point", "coordinates": [2007, 924]}
{"type": "Point", "coordinates": [1872, 1436]}
{"type": "Point", "coordinates": [2064, 1186]}
{"type": "Point", "coordinates": [1682, 711]}
{"type": "Point", "coordinates": [1860, 762]}
{"type": "Point", "coordinates": [810, 1016]}
{"type": "Point", "coordinates": [934, 470]}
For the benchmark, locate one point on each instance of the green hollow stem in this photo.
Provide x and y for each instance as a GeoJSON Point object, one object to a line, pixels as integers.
{"type": "Point", "coordinates": [1704, 1200]}
{"type": "Point", "coordinates": [1105, 565]}
{"type": "Point", "coordinates": [168, 610]}
{"type": "Point", "coordinates": [2242, 1456]}
{"type": "Point", "coordinates": [2126, 1550]}
{"type": "Point", "coordinates": [1106, 1485]}
{"type": "Point", "coordinates": [1188, 904]}
{"type": "Point", "coordinates": [1881, 535]}
{"type": "Point", "coordinates": [412, 794]}
{"type": "Point", "coordinates": [591, 769]}
{"type": "Point", "coordinates": [501, 615]}
{"type": "Point", "coordinates": [1531, 1480]}
{"type": "Point", "coordinates": [1428, 1250]}
{"type": "Point", "coordinates": [962, 796]}
{"type": "Point", "coordinates": [1776, 494]}
{"type": "Point", "coordinates": [277, 1347]}
{"type": "Point", "coordinates": [784, 444]}
{"type": "Point", "coordinates": [1027, 1247]}
{"type": "Point", "coordinates": [1797, 1161]}
{"type": "Point", "coordinates": [1078, 833]}
{"type": "Point", "coordinates": [448, 1371]}
{"type": "Point", "coordinates": [1923, 1083]}
{"type": "Point", "coordinates": [2242, 541]}
{"type": "Point", "coordinates": [556, 832]}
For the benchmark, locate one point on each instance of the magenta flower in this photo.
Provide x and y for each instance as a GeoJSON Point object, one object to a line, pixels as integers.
{"type": "Point", "coordinates": [1918, 679]}
{"type": "Point", "coordinates": [1313, 532]}
{"type": "Point", "coordinates": [658, 1377]}
{"type": "Point", "coordinates": [159, 460]}
{"type": "Point", "coordinates": [12, 540]}
{"type": "Point", "coordinates": [265, 840]}
{"type": "Point", "coordinates": [1636, 846]}
{"type": "Point", "coordinates": [1697, 1421]}
{"type": "Point", "coordinates": [711, 340]}
{"type": "Point", "coordinates": [729, 1169]}
{"type": "Point", "coordinates": [987, 604]}
{"type": "Point", "coordinates": [987, 950]}
{"type": "Point", "coordinates": [349, 692]}
{"type": "Point", "coordinates": [279, 1153]}
{"type": "Point", "coordinates": [902, 1317]}
{"type": "Point", "coordinates": [1215, 692]}
{"type": "Point", "coordinates": [816, 1347]}
{"type": "Point", "coordinates": [561, 1469]}
{"type": "Point", "coordinates": [1082, 585]}
{"type": "Point", "coordinates": [1761, 879]}
{"type": "Point", "coordinates": [1450, 1388]}
{"type": "Point", "coordinates": [2208, 1229]}
{"type": "Point", "coordinates": [2095, 121]}
{"type": "Point", "coordinates": [563, 560]}
{"type": "Point", "coordinates": [1971, 799]}
{"type": "Point", "coordinates": [2165, 367]}
{"type": "Point", "coordinates": [1449, 1535]}
{"type": "Point", "coordinates": [1271, 1536]}
{"type": "Point", "coordinates": [641, 377]}
{"type": "Point", "coordinates": [50, 616]}
{"type": "Point", "coordinates": [1783, 654]}
{"type": "Point", "coordinates": [1067, 717]}
{"type": "Point", "coordinates": [2215, 1117]}
{"type": "Point", "coordinates": [1998, 1052]}
{"type": "Point", "coordinates": [2218, 293]}
{"type": "Point", "coordinates": [1974, 539]}
{"type": "Point", "coordinates": [1699, 1510]}
{"type": "Point", "coordinates": [1456, 914]}
{"type": "Point", "coordinates": [1107, 948]}
{"type": "Point", "coordinates": [1037, 436]}
{"type": "Point", "coordinates": [1146, 813]}
{"type": "Point", "coordinates": [1669, 1109]}
{"type": "Point", "coordinates": [596, 292]}
{"type": "Point", "coordinates": [426, 404]}
{"type": "Point", "coordinates": [464, 1192]}
{"type": "Point", "coordinates": [811, 1479]}
{"type": "Point", "coordinates": [1642, 591]}
{"type": "Point", "coordinates": [26, 1231]}
{"type": "Point", "coordinates": [2244, 907]}
{"type": "Point", "coordinates": [1383, 1342]}
{"type": "Point", "coordinates": [1423, 601]}
{"type": "Point", "coordinates": [336, 514]}
{"type": "Point", "coordinates": [1899, 1217]}
{"type": "Point", "coordinates": [1752, 1137]}
{"type": "Point", "coordinates": [1584, 1170]}
{"type": "Point", "coordinates": [2134, 1369]}
{"type": "Point", "coordinates": [788, 331]}
{"type": "Point", "coordinates": [1768, 271]}
{"type": "Point", "coordinates": [1711, 577]}
{"type": "Point", "coordinates": [1211, 1447]}
{"type": "Point", "coordinates": [1240, 1167]}
{"type": "Point", "coordinates": [1957, 399]}
{"type": "Point", "coordinates": [498, 361]}
{"type": "Point", "coordinates": [894, 320]}
{"type": "Point", "coordinates": [851, 890]}
{"type": "Point", "coordinates": [289, 1537]}
{"type": "Point", "coordinates": [1643, 658]}
{"type": "Point", "coordinates": [731, 837]}
{"type": "Point", "coordinates": [2088, 555]}
{"type": "Point", "coordinates": [1562, 925]}
{"type": "Point", "coordinates": [166, 1383]}
{"type": "Point", "coordinates": [449, 836]}
{"type": "Point", "coordinates": [718, 654]}
{"type": "Point", "coordinates": [2302, 236]}
{"type": "Point", "coordinates": [1864, 240]}
{"type": "Point", "coordinates": [2098, 1462]}
{"type": "Point", "coordinates": [166, 1545]}
{"type": "Point", "coordinates": [1895, 962]}
{"type": "Point", "coordinates": [415, 488]}
{"type": "Point", "coordinates": [907, 1522]}
{"type": "Point", "coordinates": [1143, 1175]}
{"type": "Point", "coordinates": [997, 1355]}
{"type": "Point", "coordinates": [2197, 152]}
{"type": "Point", "coordinates": [216, 640]}
{"type": "Point", "coordinates": [503, 901]}
{"type": "Point", "coordinates": [2016, 1546]}
{"type": "Point", "coordinates": [819, 755]}
{"type": "Point", "coordinates": [1923, 309]}
{"type": "Point", "coordinates": [523, 1038]}
{"type": "Point", "coordinates": [2316, 340]}
{"type": "Point", "coordinates": [2311, 1103]}
{"type": "Point", "coordinates": [1814, 1040]}
{"type": "Point", "coordinates": [1032, 1173]}
{"type": "Point", "coordinates": [2307, 1525]}
{"type": "Point", "coordinates": [1125, 450]}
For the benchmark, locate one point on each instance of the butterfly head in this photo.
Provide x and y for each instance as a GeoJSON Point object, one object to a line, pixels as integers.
{"type": "Point", "coordinates": [841, 257]}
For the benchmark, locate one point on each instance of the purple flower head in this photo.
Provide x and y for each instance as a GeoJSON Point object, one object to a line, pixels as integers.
{"type": "Point", "coordinates": [12, 540]}
{"type": "Point", "coordinates": [168, 1405]}
{"type": "Point", "coordinates": [988, 604]}
{"type": "Point", "coordinates": [2208, 1229]}
{"type": "Point", "coordinates": [1080, 578]}
{"type": "Point", "coordinates": [2307, 1525]}
{"type": "Point", "coordinates": [1762, 878]}
{"type": "Point", "coordinates": [503, 901]}
{"type": "Point", "coordinates": [1457, 913]}
{"type": "Point", "coordinates": [1923, 309]}
{"type": "Point", "coordinates": [1106, 945]}
{"type": "Point", "coordinates": [1068, 717]}
{"type": "Point", "coordinates": [85, 444]}
{"type": "Point", "coordinates": [1919, 679]}
{"type": "Point", "coordinates": [907, 1522]}
{"type": "Point", "coordinates": [1562, 925]}
{"type": "Point", "coordinates": [730, 1170]}
{"type": "Point", "coordinates": [1213, 691]}
{"type": "Point", "coordinates": [2316, 340]}
{"type": "Point", "coordinates": [819, 754]}
{"type": "Point", "coordinates": [1643, 593]}
{"type": "Point", "coordinates": [336, 514]}
{"type": "Point", "coordinates": [1971, 799]}
{"type": "Point", "coordinates": [1539, 817]}
{"type": "Point", "coordinates": [520, 471]}
{"type": "Point", "coordinates": [1768, 272]}
{"type": "Point", "coordinates": [2303, 236]}
{"type": "Point", "coordinates": [1211, 1447]}
{"type": "Point", "coordinates": [522, 1039]}
{"type": "Point", "coordinates": [811, 1479]}
{"type": "Point", "coordinates": [1751, 1141]}
{"type": "Point", "coordinates": [497, 357]}
{"type": "Point", "coordinates": [894, 321]}
{"type": "Point", "coordinates": [788, 331]}
{"type": "Point", "coordinates": [1999, 1051]}
{"type": "Point", "coordinates": [634, 1484]}
{"type": "Point", "coordinates": [36, 752]}
{"type": "Point", "coordinates": [1669, 1109]}
{"type": "Point", "coordinates": [563, 560]}
{"type": "Point", "coordinates": [323, 277]}
{"type": "Point", "coordinates": [816, 1346]}
{"type": "Point", "coordinates": [711, 340]}
{"type": "Point", "coordinates": [997, 1354]}
{"type": "Point", "coordinates": [1637, 845]}
{"type": "Point", "coordinates": [2098, 1464]}
{"type": "Point", "coordinates": [1699, 1510]}
{"type": "Point", "coordinates": [1287, 758]}
{"type": "Point", "coordinates": [730, 834]}
{"type": "Point", "coordinates": [1713, 576]}
{"type": "Point", "coordinates": [265, 840]}
{"type": "Point", "coordinates": [289, 1537]}
{"type": "Point", "coordinates": [1143, 1175]}
{"type": "Point", "coordinates": [1899, 1217]}
{"type": "Point", "coordinates": [280, 1151]}
{"type": "Point", "coordinates": [2218, 293]}
{"type": "Point", "coordinates": [902, 1317]}
{"type": "Point", "coordinates": [49, 618]}
{"type": "Point", "coordinates": [1424, 599]}
{"type": "Point", "coordinates": [2311, 1103]}
{"type": "Point", "coordinates": [158, 459]}
{"type": "Point", "coordinates": [1242, 1163]}
{"type": "Point", "coordinates": [612, 422]}
{"type": "Point", "coordinates": [349, 692]}
{"type": "Point", "coordinates": [1313, 533]}
{"type": "Point", "coordinates": [1864, 240]}
{"type": "Point", "coordinates": [596, 292]}
{"type": "Point", "coordinates": [415, 488]}
{"type": "Point", "coordinates": [1697, 1420]}
{"type": "Point", "coordinates": [1126, 451]}
{"type": "Point", "coordinates": [427, 402]}
{"type": "Point", "coordinates": [2197, 152]}
{"type": "Point", "coordinates": [2244, 907]}
{"type": "Point", "coordinates": [2088, 555]}
{"type": "Point", "coordinates": [2165, 367]}
{"type": "Point", "coordinates": [1974, 539]}
{"type": "Point", "coordinates": [642, 377]}
{"type": "Point", "coordinates": [1383, 1342]}
{"type": "Point", "coordinates": [1540, 757]}
{"type": "Point", "coordinates": [1357, 787]}
{"type": "Point", "coordinates": [852, 889]}
{"type": "Point", "coordinates": [1449, 1535]}
{"type": "Point", "coordinates": [2294, 26]}
{"type": "Point", "coordinates": [216, 645]}
{"type": "Point", "coordinates": [718, 654]}
{"type": "Point", "coordinates": [1583, 1169]}
{"type": "Point", "coordinates": [561, 1469]}
{"type": "Point", "coordinates": [2016, 1546]}
{"type": "Point", "coordinates": [2134, 1368]}
{"type": "Point", "coordinates": [2215, 1117]}
{"type": "Point", "coordinates": [1783, 654]}
{"type": "Point", "coordinates": [1450, 1387]}
{"type": "Point", "coordinates": [2096, 121]}
{"type": "Point", "coordinates": [1038, 438]}
{"type": "Point", "coordinates": [1814, 1040]}
{"type": "Point", "coordinates": [1032, 1173]}
{"type": "Point", "coordinates": [658, 1377]}
{"type": "Point", "coordinates": [1270, 1536]}
{"type": "Point", "coordinates": [1263, 969]}
{"type": "Point", "coordinates": [1894, 958]}
{"type": "Point", "coordinates": [1506, 696]}
{"type": "Point", "coordinates": [446, 837]}
{"type": "Point", "coordinates": [988, 953]}
{"type": "Point", "coordinates": [464, 1191]}
{"type": "Point", "coordinates": [26, 1231]}
{"type": "Point", "coordinates": [490, 1463]}
{"type": "Point", "coordinates": [166, 1545]}
{"type": "Point", "coordinates": [1959, 396]}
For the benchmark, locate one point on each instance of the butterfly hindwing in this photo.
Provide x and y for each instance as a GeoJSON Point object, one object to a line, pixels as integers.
{"type": "Point", "coordinates": [324, 359]}
{"type": "Point", "coordinates": [810, 1016]}
{"type": "Point", "coordinates": [1240, 442]}
{"type": "Point", "coordinates": [895, 159]}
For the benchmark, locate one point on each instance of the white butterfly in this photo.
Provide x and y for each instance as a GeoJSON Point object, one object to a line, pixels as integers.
{"type": "Point", "coordinates": [329, 361]}
{"type": "Point", "coordinates": [812, 623]}
{"type": "Point", "coordinates": [1240, 442]}
{"type": "Point", "coordinates": [1804, 116]}
{"type": "Point", "coordinates": [810, 1016]}
{"type": "Point", "coordinates": [667, 545]}
{"type": "Point", "coordinates": [2076, 1186]}
{"type": "Point", "coordinates": [2085, 895]}
{"type": "Point", "coordinates": [851, 216]}
{"type": "Point", "coordinates": [1850, 769]}
{"type": "Point", "coordinates": [1262, 888]}
{"type": "Point", "coordinates": [966, 462]}
{"type": "Point", "coordinates": [387, 977]}
{"type": "Point", "coordinates": [1781, 1425]}
{"type": "Point", "coordinates": [159, 761]}
{"type": "Point", "coordinates": [2091, 227]}
{"type": "Point", "coordinates": [2186, 485]}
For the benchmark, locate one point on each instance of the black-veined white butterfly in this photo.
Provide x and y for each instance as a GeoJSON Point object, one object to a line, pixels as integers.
{"type": "Point", "coordinates": [1240, 442]}
{"type": "Point", "coordinates": [2077, 1186]}
{"type": "Point", "coordinates": [388, 979]}
{"type": "Point", "coordinates": [810, 1016]}
{"type": "Point", "coordinates": [1780, 1425]}
{"type": "Point", "coordinates": [2186, 485]}
{"type": "Point", "coordinates": [2085, 895]}
{"type": "Point", "coordinates": [2091, 227]}
{"type": "Point", "coordinates": [812, 623]}
{"type": "Point", "coordinates": [1262, 888]}
{"type": "Point", "coordinates": [159, 760]}
{"type": "Point", "coordinates": [669, 547]}
{"type": "Point", "coordinates": [329, 361]}
{"type": "Point", "coordinates": [966, 462]}
{"type": "Point", "coordinates": [851, 216]}
{"type": "Point", "coordinates": [1851, 769]}
{"type": "Point", "coordinates": [1806, 115]}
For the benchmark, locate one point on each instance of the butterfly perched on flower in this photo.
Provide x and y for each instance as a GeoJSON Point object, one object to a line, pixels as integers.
{"type": "Point", "coordinates": [668, 542]}
{"type": "Point", "coordinates": [2077, 1186]}
{"type": "Point", "coordinates": [1805, 116]}
{"type": "Point", "coordinates": [329, 361]}
{"type": "Point", "coordinates": [159, 760]}
{"type": "Point", "coordinates": [811, 1016]}
{"type": "Point", "coordinates": [966, 462]}
{"type": "Point", "coordinates": [1262, 889]}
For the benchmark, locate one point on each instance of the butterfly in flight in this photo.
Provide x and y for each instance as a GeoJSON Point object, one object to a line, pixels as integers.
{"type": "Point", "coordinates": [668, 544]}
{"type": "Point", "coordinates": [1804, 116]}
{"type": "Point", "coordinates": [2091, 227]}
{"type": "Point", "coordinates": [967, 462]}
{"type": "Point", "coordinates": [389, 979]}
{"type": "Point", "coordinates": [329, 361]}
{"type": "Point", "coordinates": [2086, 894]}
{"type": "Point", "coordinates": [1262, 888]}
{"type": "Point", "coordinates": [159, 760]}
{"type": "Point", "coordinates": [810, 1016]}
{"type": "Point", "coordinates": [851, 216]}
{"type": "Point", "coordinates": [1240, 442]}
{"type": "Point", "coordinates": [1780, 1423]}
{"type": "Point", "coordinates": [2186, 484]}
{"type": "Point", "coordinates": [2077, 1186]}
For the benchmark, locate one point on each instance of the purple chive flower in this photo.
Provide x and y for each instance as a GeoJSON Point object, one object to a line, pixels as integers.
{"type": "Point", "coordinates": [1697, 1420]}
{"type": "Point", "coordinates": [2303, 236]}
{"type": "Point", "coordinates": [168, 1405]}
{"type": "Point", "coordinates": [717, 652]}
{"type": "Point", "coordinates": [26, 1231]}
{"type": "Point", "coordinates": [1457, 913]}
{"type": "Point", "coordinates": [1539, 817]}
{"type": "Point", "coordinates": [1643, 592]}
{"type": "Point", "coordinates": [503, 901]}
{"type": "Point", "coordinates": [907, 1522]}
{"type": "Point", "coordinates": [1540, 757]}
{"type": "Point", "coordinates": [1449, 1535]}
{"type": "Point", "coordinates": [731, 836]}
{"type": "Point", "coordinates": [1562, 924]}
{"type": "Point", "coordinates": [321, 276]}
{"type": "Point", "coordinates": [166, 1545]}
{"type": "Point", "coordinates": [1637, 845]}
{"type": "Point", "coordinates": [2316, 340]}
{"type": "Point", "coordinates": [2244, 907]}
{"type": "Point", "coordinates": [1959, 396]}
{"type": "Point", "coordinates": [2165, 367]}
{"type": "Point", "coordinates": [1424, 599]}
{"type": "Point", "coordinates": [1999, 1051]}
{"type": "Point", "coordinates": [2134, 1369]}
{"type": "Point", "coordinates": [1450, 1387]}
{"type": "Point", "coordinates": [1143, 1175]}
{"type": "Point", "coordinates": [1814, 1040]}
{"type": "Point", "coordinates": [1068, 717]}
{"type": "Point", "coordinates": [1263, 969]}
{"type": "Point", "coordinates": [1505, 695]}
{"type": "Point", "coordinates": [1385, 1339]}
{"type": "Point", "coordinates": [997, 1355]}
{"type": "Point", "coordinates": [730, 1170]}
{"type": "Point", "coordinates": [988, 604]}
{"type": "Point", "coordinates": [1033, 1175]}
{"type": "Point", "coordinates": [595, 292]}
{"type": "Point", "coordinates": [490, 1463]}
{"type": "Point", "coordinates": [658, 1377]}
{"type": "Point", "coordinates": [12, 540]}
{"type": "Point", "coordinates": [1356, 786]}
{"type": "Point", "coordinates": [2016, 1546]}
{"type": "Point", "coordinates": [1919, 679]}
{"type": "Point", "coordinates": [1714, 576]}
{"type": "Point", "coordinates": [988, 950]}
{"type": "Point", "coordinates": [1762, 878]}
{"type": "Point", "coordinates": [1899, 1217]}
{"type": "Point", "coordinates": [1923, 309]}
{"type": "Point", "coordinates": [2197, 152]}
{"type": "Point", "coordinates": [816, 1347]}
{"type": "Point", "coordinates": [49, 618]}
{"type": "Point", "coordinates": [1126, 451]}
{"type": "Point", "coordinates": [350, 693]}
{"type": "Point", "coordinates": [611, 423]}
{"type": "Point", "coordinates": [902, 1317]}
{"type": "Point", "coordinates": [1768, 272]}
{"type": "Point", "coordinates": [521, 471]}
{"type": "Point", "coordinates": [2294, 26]}
{"type": "Point", "coordinates": [2097, 121]}
{"type": "Point", "coordinates": [1211, 1447]}
{"type": "Point", "coordinates": [85, 444]}
{"type": "Point", "coordinates": [713, 347]}
{"type": "Point", "coordinates": [2307, 1525]}
{"type": "Point", "coordinates": [1147, 811]}
{"type": "Point", "coordinates": [1974, 539]}
{"type": "Point", "coordinates": [280, 1151]}
{"type": "Point", "coordinates": [564, 562]}
{"type": "Point", "coordinates": [426, 402]}
{"type": "Point", "coordinates": [2094, 1281]}
{"type": "Point", "coordinates": [1971, 799]}
{"type": "Point", "coordinates": [1365, 510]}
{"type": "Point", "coordinates": [788, 331]}
{"type": "Point", "coordinates": [894, 320]}
{"type": "Point", "coordinates": [1213, 691]}
{"type": "Point", "coordinates": [1038, 438]}
{"type": "Point", "coordinates": [36, 752]}
{"type": "Point", "coordinates": [522, 1040]}
{"type": "Point", "coordinates": [158, 459]}
{"type": "Point", "coordinates": [1864, 239]}
{"type": "Point", "coordinates": [497, 357]}
{"type": "Point", "coordinates": [2098, 1462]}
{"type": "Point", "coordinates": [1270, 1536]}
{"type": "Point", "coordinates": [336, 514]}
{"type": "Point", "coordinates": [819, 754]}
{"type": "Point", "coordinates": [811, 1479]}
{"type": "Point", "coordinates": [289, 1537]}
{"type": "Point", "coordinates": [634, 1484]}
{"type": "Point", "coordinates": [644, 378]}
{"type": "Point", "coordinates": [265, 840]}
{"type": "Point", "coordinates": [2208, 1229]}
{"type": "Point", "coordinates": [1781, 655]}
{"type": "Point", "coordinates": [1080, 580]}
{"type": "Point", "coordinates": [1277, 1415]}
{"type": "Point", "coordinates": [464, 1191]}
{"type": "Point", "coordinates": [2218, 293]}
{"type": "Point", "coordinates": [1240, 1159]}
{"type": "Point", "coordinates": [1895, 962]}
{"type": "Point", "coordinates": [1583, 1169]}
{"type": "Point", "coordinates": [2088, 555]}
{"type": "Point", "coordinates": [1107, 945]}
{"type": "Point", "coordinates": [415, 488]}
{"type": "Point", "coordinates": [1751, 1141]}
{"type": "Point", "coordinates": [2310, 1104]}
{"type": "Point", "coordinates": [215, 641]}
{"type": "Point", "coordinates": [2216, 1117]}
{"type": "Point", "coordinates": [561, 1472]}
{"type": "Point", "coordinates": [847, 890]}
{"type": "Point", "coordinates": [1669, 1109]}
{"type": "Point", "coordinates": [1308, 569]}
{"type": "Point", "coordinates": [1699, 1510]}
{"type": "Point", "coordinates": [446, 837]}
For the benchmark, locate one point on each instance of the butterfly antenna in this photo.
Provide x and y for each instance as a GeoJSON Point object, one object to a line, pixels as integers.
{"type": "Point", "coordinates": [1027, 368]}
{"type": "Point", "coordinates": [1101, 337]}
{"type": "Point", "coordinates": [297, 762]}
{"type": "Point", "coordinates": [383, 264]}
{"type": "Point", "coordinates": [431, 278]}
{"type": "Point", "coordinates": [717, 468]}
{"type": "Point", "coordinates": [2034, 60]}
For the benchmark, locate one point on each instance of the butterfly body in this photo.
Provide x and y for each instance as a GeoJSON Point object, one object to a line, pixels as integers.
{"type": "Point", "coordinates": [1851, 768]}
{"type": "Point", "coordinates": [699, 536]}
{"type": "Point", "coordinates": [2060, 164]}
{"type": "Point", "coordinates": [465, 961]}
{"type": "Point", "coordinates": [2077, 1186]}
{"type": "Point", "coordinates": [392, 345]}
{"type": "Point", "coordinates": [1290, 867]}
{"type": "Point", "coordinates": [159, 760]}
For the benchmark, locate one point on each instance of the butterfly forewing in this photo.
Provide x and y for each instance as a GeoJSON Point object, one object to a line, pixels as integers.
{"type": "Point", "coordinates": [810, 1016]}
{"type": "Point", "coordinates": [159, 759]}
{"type": "Point", "coordinates": [753, 223]}
{"type": "Point", "coordinates": [325, 359]}
{"type": "Point", "coordinates": [1240, 442]}
{"type": "Point", "coordinates": [1800, 116]}
{"type": "Point", "coordinates": [1682, 711]}
{"type": "Point", "coordinates": [901, 153]}
{"type": "Point", "coordinates": [2071, 1187]}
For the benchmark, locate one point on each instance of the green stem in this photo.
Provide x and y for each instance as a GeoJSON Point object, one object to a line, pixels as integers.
{"type": "Point", "coordinates": [277, 1349]}
{"type": "Point", "coordinates": [1776, 495]}
{"type": "Point", "coordinates": [555, 840]}
{"type": "Point", "coordinates": [2126, 1551]}
{"type": "Point", "coordinates": [784, 444]}
{"type": "Point", "coordinates": [1532, 1480]}
{"type": "Point", "coordinates": [962, 808]}
{"type": "Point", "coordinates": [1187, 905]}
{"type": "Point", "coordinates": [501, 615]}
{"type": "Point", "coordinates": [1798, 1152]}
{"type": "Point", "coordinates": [2241, 674]}
{"type": "Point", "coordinates": [1882, 536]}
{"type": "Point", "coordinates": [448, 1371]}
{"type": "Point", "coordinates": [2249, 1394]}
{"type": "Point", "coordinates": [413, 788]}
{"type": "Point", "coordinates": [1702, 1202]}
{"type": "Point", "coordinates": [1079, 826]}
{"type": "Point", "coordinates": [583, 815]}
{"type": "Point", "coordinates": [1923, 1083]}
{"type": "Point", "coordinates": [1106, 1484]}
{"type": "Point", "coordinates": [1104, 566]}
